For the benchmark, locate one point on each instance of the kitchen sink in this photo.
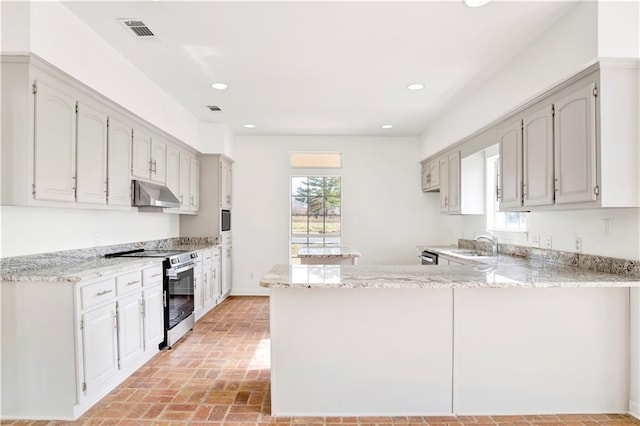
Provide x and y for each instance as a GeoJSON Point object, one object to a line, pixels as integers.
{"type": "Point", "coordinates": [467, 253]}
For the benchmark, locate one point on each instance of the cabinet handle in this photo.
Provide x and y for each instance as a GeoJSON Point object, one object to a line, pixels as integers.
{"type": "Point", "coordinates": [150, 166]}
{"type": "Point", "coordinates": [205, 278]}
{"type": "Point", "coordinates": [102, 293]}
{"type": "Point", "coordinates": [133, 282]}
{"type": "Point", "coordinates": [497, 193]}
{"type": "Point", "coordinates": [155, 167]}
{"type": "Point", "coordinates": [181, 199]}
{"type": "Point", "coordinates": [155, 275]}
{"type": "Point", "coordinates": [191, 201]}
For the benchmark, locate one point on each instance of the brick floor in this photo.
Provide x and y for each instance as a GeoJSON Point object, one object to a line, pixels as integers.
{"type": "Point", "coordinates": [219, 375]}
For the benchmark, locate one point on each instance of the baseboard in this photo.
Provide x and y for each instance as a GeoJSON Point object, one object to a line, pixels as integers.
{"type": "Point", "coordinates": [250, 292]}
{"type": "Point", "coordinates": [634, 408]}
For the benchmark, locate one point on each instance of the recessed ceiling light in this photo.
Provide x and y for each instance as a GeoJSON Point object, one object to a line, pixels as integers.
{"type": "Point", "coordinates": [475, 3]}
{"type": "Point", "coordinates": [249, 126]}
{"type": "Point", "coordinates": [387, 126]}
{"type": "Point", "coordinates": [415, 86]}
{"type": "Point", "coordinates": [219, 86]}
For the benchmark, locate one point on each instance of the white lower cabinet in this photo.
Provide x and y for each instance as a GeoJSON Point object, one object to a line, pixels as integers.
{"type": "Point", "coordinates": [225, 264]}
{"type": "Point", "coordinates": [65, 345]}
{"type": "Point", "coordinates": [207, 281]}
{"type": "Point", "coordinates": [99, 346]}
{"type": "Point", "coordinates": [130, 329]}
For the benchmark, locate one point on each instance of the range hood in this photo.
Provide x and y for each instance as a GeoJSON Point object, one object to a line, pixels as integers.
{"type": "Point", "coordinates": [152, 197]}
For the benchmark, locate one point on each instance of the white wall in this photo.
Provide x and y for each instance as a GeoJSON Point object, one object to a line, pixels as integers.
{"type": "Point", "coordinates": [384, 213]}
{"type": "Point", "coordinates": [32, 230]}
{"type": "Point", "coordinates": [618, 29]}
{"type": "Point", "coordinates": [566, 46]}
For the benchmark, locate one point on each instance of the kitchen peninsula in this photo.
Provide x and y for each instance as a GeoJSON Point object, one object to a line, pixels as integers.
{"type": "Point", "coordinates": [328, 255]}
{"type": "Point", "coordinates": [509, 337]}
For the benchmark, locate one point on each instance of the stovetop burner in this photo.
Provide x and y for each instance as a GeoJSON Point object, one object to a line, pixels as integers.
{"type": "Point", "coordinates": [146, 253]}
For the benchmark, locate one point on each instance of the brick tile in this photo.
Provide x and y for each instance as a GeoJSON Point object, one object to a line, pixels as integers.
{"type": "Point", "coordinates": [218, 413]}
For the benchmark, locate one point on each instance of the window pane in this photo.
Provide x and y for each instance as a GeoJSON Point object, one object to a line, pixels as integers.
{"type": "Point", "coordinates": [315, 213]}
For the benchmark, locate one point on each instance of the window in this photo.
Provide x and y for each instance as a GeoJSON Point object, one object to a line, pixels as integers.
{"type": "Point", "coordinates": [315, 213]}
{"type": "Point", "coordinates": [497, 220]}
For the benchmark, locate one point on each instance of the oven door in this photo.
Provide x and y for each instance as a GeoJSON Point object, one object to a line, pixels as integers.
{"type": "Point", "coordinates": [179, 295]}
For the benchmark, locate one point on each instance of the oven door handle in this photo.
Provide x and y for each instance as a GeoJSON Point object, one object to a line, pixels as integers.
{"type": "Point", "coordinates": [173, 272]}
{"type": "Point", "coordinates": [427, 259]}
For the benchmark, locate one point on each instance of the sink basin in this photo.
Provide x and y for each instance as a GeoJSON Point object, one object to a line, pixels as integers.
{"type": "Point", "coordinates": [468, 253]}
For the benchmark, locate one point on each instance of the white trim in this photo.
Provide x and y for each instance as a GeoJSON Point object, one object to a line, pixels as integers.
{"type": "Point", "coordinates": [634, 408]}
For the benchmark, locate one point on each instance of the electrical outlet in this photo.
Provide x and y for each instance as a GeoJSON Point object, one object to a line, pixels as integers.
{"type": "Point", "coordinates": [578, 245]}
{"type": "Point", "coordinates": [535, 242]}
{"type": "Point", "coordinates": [547, 243]}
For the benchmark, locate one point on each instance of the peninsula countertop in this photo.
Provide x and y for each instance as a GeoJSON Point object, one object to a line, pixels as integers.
{"type": "Point", "coordinates": [327, 252]}
{"type": "Point", "coordinates": [505, 272]}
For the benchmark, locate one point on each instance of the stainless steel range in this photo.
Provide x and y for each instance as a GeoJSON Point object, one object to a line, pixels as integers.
{"type": "Point", "coordinates": [178, 294]}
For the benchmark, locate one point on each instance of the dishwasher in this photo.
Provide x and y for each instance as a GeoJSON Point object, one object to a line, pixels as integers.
{"type": "Point", "coordinates": [428, 258]}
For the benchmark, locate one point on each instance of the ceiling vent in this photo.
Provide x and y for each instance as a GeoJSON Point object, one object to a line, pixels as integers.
{"type": "Point", "coordinates": [140, 30]}
{"type": "Point", "coordinates": [214, 108]}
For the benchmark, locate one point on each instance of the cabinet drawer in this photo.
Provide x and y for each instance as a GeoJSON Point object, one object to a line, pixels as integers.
{"type": "Point", "coordinates": [226, 239]}
{"type": "Point", "coordinates": [96, 293]}
{"type": "Point", "coordinates": [152, 276]}
{"type": "Point", "coordinates": [129, 282]}
{"type": "Point", "coordinates": [207, 255]}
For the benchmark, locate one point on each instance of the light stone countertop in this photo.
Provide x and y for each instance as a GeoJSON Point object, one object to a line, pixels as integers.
{"type": "Point", "coordinates": [327, 252]}
{"type": "Point", "coordinates": [513, 274]}
{"type": "Point", "coordinates": [76, 270]}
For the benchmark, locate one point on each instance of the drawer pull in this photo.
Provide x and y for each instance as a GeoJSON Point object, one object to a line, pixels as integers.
{"type": "Point", "coordinates": [155, 275]}
{"type": "Point", "coordinates": [102, 293]}
{"type": "Point", "coordinates": [133, 282]}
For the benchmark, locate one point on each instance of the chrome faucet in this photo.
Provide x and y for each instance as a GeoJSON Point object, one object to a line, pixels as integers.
{"type": "Point", "coordinates": [492, 239]}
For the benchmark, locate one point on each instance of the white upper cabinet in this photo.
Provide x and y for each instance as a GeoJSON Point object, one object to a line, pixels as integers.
{"type": "Point", "coordinates": [225, 184]}
{"type": "Point", "coordinates": [141, 165]}
{"type": "Point", "coordinates": [185, 181]}
{"type": "Point", "coordinates": [55, 142]}
{"type": "Point", "coordinates": [575, 147]}
{"type": "Point", "coordinates": [158, 160]}
{"type": "Point", "coordinates": [449, 166]}
{"type": "Point", "coordinates": [173, 170]}
{"type": "Point", "coordinates": [149, 157]}
{"type": "Point", "coordinates": [194, 197]}
{"type": "Point", "coordinates": [91, 178]}
{"type": "Point", "coordinates": [119, 163]}
{"type": "Point", "coordinates": [510, 174]}
{"type": "Point", "coordinates": [537, 137]}
{"type": "Point", "coordinates": [431, 176]}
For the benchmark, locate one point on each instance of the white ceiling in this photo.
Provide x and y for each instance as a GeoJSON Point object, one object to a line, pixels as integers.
{"type": "Point", "coordinates": [335, 68]}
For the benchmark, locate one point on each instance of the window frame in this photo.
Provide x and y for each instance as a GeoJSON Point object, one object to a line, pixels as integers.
{"type": "Point", "coordinates": [311, 173]}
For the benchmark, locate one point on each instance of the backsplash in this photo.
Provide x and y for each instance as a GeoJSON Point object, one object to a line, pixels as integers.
{"type": "Point", "coordinates": [591, 262]}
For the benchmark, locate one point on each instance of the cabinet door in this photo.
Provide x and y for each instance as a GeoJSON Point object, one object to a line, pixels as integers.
{"type": "Point", "coordinates": [185, 181]}
{"type": "Point", "coordinates": [537, 141]}
{"type": "Point", "coordinates": [444, 184]}
{"type": "Point", "coordinates": [173, 170]}
{"type": "Point", "coordinates": [454, 183]}
{"type": "Point", "coordinates": [153, 316]}
{"type": "Point", "coordinates": [225, 185]}
{"type": "Point", "coordinates": [226, 269]}
{"type": "Point", "coordinates": [99, 346]}
{"type": "Point", "coordinates": [194, 198]}
{"type": "Point", "coordinates": [91, 155]}
{"type": "Point", "coordinates": [426, 178]}
{"type": "Point", "coordinates": [55, 143]}
{"type": "Point", "coordinates": [575, 147]}
{"type": "Point", "coordinates": [206, 283]}
{"type": "Point", "coordinates": [510, 174]}
{"type": "Point", "coordinates": [130, 328]}
{"type": "Point", "coordinates": [158, 160]}
{"type": "Point", "coordinates": [141, 155]}
{"type": "Point", "coordinates": [215, 276]}
{"type": "Point", "coordinates": [119, 163]}
{"type": "Point", "coordinates": [434, 171]}
{"type": "Point", "coordinates": [198, 294]}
